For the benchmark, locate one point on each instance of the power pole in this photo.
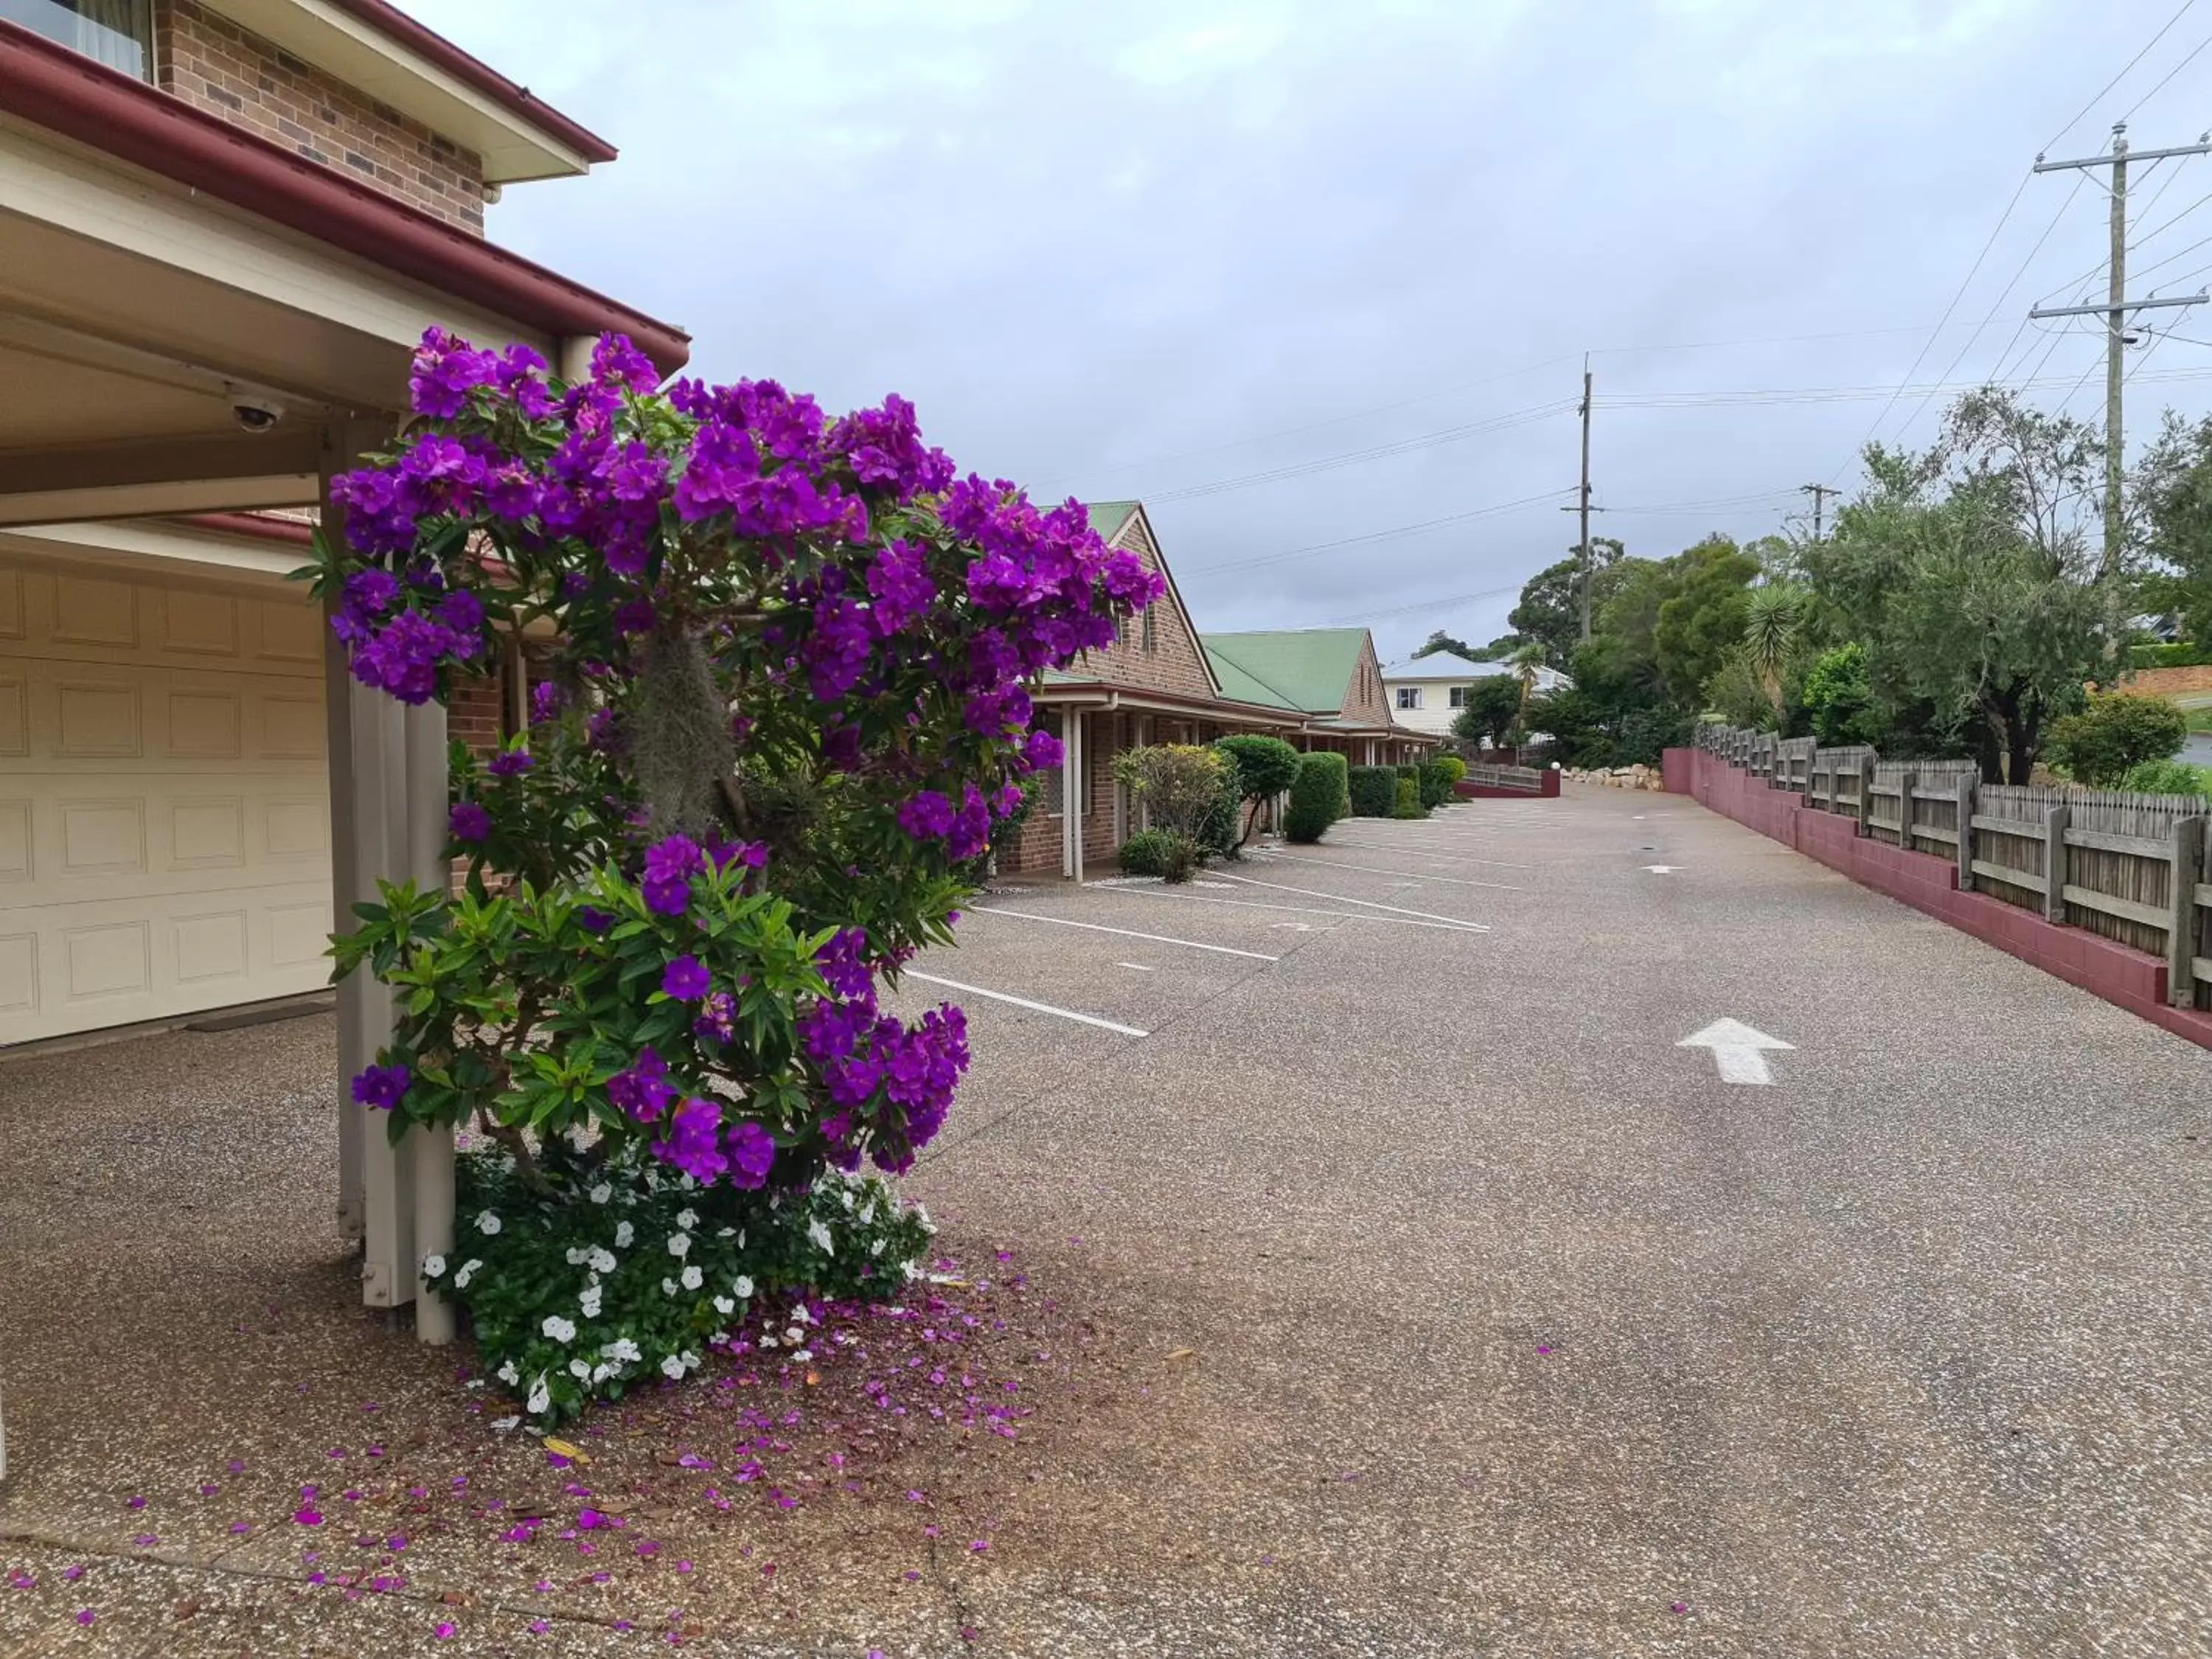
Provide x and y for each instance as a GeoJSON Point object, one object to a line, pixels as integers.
{"type": "Point", "coordinates": [1585, 500]}
{"type": "Point", "coordinates": [1819, 493]}
{"type": "Point", "coordinates": [2115, 310]}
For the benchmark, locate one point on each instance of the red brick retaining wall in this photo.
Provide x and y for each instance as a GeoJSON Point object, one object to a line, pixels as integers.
{"type": "Point", "coordinates": [2133, 979]}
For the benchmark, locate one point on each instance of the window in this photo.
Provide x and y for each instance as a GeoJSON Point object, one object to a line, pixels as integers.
{"type": "Point", "coordinates": [1409, 696]}
{"type": "Point", "coordinates": [1459, 695]}
{"type": "Point", "coordinates": [117, 33]}
{"type": "Point", "coordinates": [1152, 641]}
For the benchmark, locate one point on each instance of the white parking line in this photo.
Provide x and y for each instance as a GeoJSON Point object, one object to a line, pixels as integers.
{"type": "Point", "coordinates": [1094, 927]}
{"type": "Point", "coordinates": [1134, 967]}
{"type": "Point", "coordinates": [1186, 896]}
{"type": "Point", "coordinates": [1370, 904]}
{"type": "Point", "coordinates": [1024, 1002]}
{"type": "Point", "coordinates": [1371, 870]}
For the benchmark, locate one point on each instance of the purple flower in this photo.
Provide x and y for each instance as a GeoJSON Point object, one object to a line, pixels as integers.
{"type": "Point", "coordinates": [510, 764]}
{"type": "Point", "coordinates": [926, 815]}
{"type": "Point", "coordinates": [1043, 750]}
{"type": "Point", "coordinates": [693, 1143]}
{"type": "Point", "coordinates": [380, 1088]}
{"type": "Point", "coordinates": [593, 920]}
{"type": "Point", "coordinates": [753, 1151]}
{"type": "Point", "coordinates": [669, 868]}
{"type": "Point", "coordinates": [718, 1015]}
{"type": "Point", "coordinates": [546, 701]}
{"type": "Point", "coordinates": [469, 822]}
{"type": "Point", "coordinates": [686, 979]}
{"type": "Point", "coordinates": [643, 1092]}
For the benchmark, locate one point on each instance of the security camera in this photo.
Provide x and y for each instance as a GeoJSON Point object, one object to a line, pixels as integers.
{"type": "Point", "coordinates": [255, 414]}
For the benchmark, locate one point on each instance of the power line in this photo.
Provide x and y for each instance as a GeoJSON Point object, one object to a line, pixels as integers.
{"type": "Point", "coordinates": [1371, 536]}
{"type": "Point", "coordinates": [2187, 6]}
{"type": "Point", "coordinates": [2170, 74]}
{"type": "Point", "coordinates": [1440, 606]}
{"type": "Point", "coordinates": [1357, 457]}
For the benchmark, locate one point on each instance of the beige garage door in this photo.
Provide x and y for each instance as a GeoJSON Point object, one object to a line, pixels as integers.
{"type": "Point", "coordinates": [164, 807]}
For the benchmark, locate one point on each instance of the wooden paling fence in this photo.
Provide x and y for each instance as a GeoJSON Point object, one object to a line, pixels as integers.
{"type": "Point", "coordinates": [2129, 866]}
{"type": "Point", "coordinates": [1506, 777]}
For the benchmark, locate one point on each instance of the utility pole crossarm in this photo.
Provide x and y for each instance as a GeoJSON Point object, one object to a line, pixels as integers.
{"type": "Point", "coordinates": [2041, 166]}
{"type": "Point", "coordinates": [2041, 311]}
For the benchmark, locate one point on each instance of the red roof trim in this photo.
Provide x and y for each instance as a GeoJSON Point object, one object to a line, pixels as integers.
{"type": "Point", "coordinates": [108, 111]}
{"type": "Point", "coordinates": [259, 526]}
{"type": "Point", "coordinates": [395, 25]}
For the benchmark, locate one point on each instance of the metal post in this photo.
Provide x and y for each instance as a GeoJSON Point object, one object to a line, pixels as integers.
{"type": "Point", "coordinates": [2181, 928]}
{"type": "Point", "coordinates": [2055, 820]}
{"type": "Point", "coordinates": [1966, 834]}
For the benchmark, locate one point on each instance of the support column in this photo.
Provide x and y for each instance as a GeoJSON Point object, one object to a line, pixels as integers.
{"type": "Point", "coordinates": [429, 1152]}
{"type": "Point", "coordinates": [1070, 794]}
{"type": "Point", "coordinates": [387, 1268]}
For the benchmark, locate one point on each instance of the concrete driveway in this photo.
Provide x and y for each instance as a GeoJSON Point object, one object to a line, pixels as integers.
{"type": "Point", "coordinates": [1389, 1282]}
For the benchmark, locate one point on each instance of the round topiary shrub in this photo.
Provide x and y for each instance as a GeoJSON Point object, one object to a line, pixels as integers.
{"type": "Point", "coordinates": [787, 707]}
{"type": "Point", "coordinates": [1373, 791]}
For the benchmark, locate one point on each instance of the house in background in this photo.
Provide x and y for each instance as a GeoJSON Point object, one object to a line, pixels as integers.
{"type": "Point", "coordinates": [224, 226]}
{"type": "Point", "coordinates": [1428, 692]}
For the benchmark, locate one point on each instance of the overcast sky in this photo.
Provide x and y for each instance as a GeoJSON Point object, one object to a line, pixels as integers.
{"type": "Point", "coordinates": [1141, 248]}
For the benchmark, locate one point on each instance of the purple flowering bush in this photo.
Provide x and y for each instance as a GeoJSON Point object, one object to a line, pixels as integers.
{"type": "Point", "coordinates": [787, 707]}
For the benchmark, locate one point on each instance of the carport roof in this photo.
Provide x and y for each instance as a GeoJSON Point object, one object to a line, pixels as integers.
{"type": "Point", "coordinates": [1304, 668]}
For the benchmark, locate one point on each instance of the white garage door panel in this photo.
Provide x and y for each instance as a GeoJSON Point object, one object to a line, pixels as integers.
{"type": "Point", "coordinates": [164, 809]}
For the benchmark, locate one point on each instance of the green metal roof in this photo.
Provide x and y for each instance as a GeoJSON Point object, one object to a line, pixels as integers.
{"type": "Point", "coordinates": [1107, 518]}
{"type": "Point", "coordinates": [1309, 669]}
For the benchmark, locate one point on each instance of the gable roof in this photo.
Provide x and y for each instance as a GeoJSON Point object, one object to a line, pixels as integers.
{"type": "Point", "coordinates": [1107, 518]}
{"type": "Point", "coordinates": [1304, 668]}
{"type": "Point", "coordinates": [1443, 665]}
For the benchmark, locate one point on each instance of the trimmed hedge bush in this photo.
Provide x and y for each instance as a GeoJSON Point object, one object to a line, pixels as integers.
{"type": "Point", "coordinates": [1161, 852]}
{"type": "Point", "coordinates": [2184, 655]}
{"type": "Point", "coordinates": [1408, 803]}
{"type": "Point", "coordinates": [1317, 796]}
{"type": "Point", "coordinates": [1437, 778]}
{"type": "Point", "coordinates": [1374, 791]}
{"type": "Point", "coordinates": [1217, 832]}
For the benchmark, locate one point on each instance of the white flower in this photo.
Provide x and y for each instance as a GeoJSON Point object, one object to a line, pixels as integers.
{"type": "Point", "coordinates": [803, 1355]}
{"type": "Point", "coordinates": [487, 1224]}
{"type": "Point", "coordinates": [767, 1342]}
{"type": "Point", "coordinates": [468, 1272]}
{"type": "Point", "coordinates": [624, 1233]}
{"type": "Point", "coordinates": [793, 1335]}
{"type": "Point", "coordinates": [601, 1193]}
{"type": "Point", "coordinates": [671, 1367]}
{"type": "Point", "coordinates": [679, 1244]}
{"type": "Point", "coordinates": [668, 1287]}
{"type": "Point", "coordinates": [868, 1215]}
{"type": "Point", "coordinates": [502, 1424]}
{"type": "Point", "coordinates": [685, 1182]}
{"type": "Point", "coordinates": [693, 1279]}
{"type": "Point", "coordinates": [560, 1329]}
{"type": "Point", "coordinates": [581, 1369]}
{"type": "Point", "coordinates": [589, 1302]}
{"type": "Point", "coordinates": [687, 1219]}
{"type": "Point", "coordinates": [622, 1351]}
{"type": "Point", "coordinates": [690, 1360]}
{"type": "Point", "coordinates": [724, 1306]}
{"type": "Point", "coordinates": [876, 1249]}
{"type": "Point", "coordinates": [432, 1266]}
{"type": "Point", "coordinates": [820, 1234]}
{"type": "Point", "coordinates": [848, 1196]}
{"type": "Point", "coordinates": [603, 1371]}
{"type": "Point", "coordinates": [576, 1254]}
{"type": "Point", "coordinates": [508, 1375]}
{"type": "Point", "coordinates": [540, 1396]}
{"type": "Point", "coordinates": [720, 1337]}
{"type": "Point", "coordinates": [913, 1273]}
{"type": "Point", "coordinates": [726, 1232]}
{"type": "Point", "coordinates": [743, 1288]}
{"type": "Point", "coordinates": [800, 1314]}
{"type": "Point", "coordinates": [602, 1260]}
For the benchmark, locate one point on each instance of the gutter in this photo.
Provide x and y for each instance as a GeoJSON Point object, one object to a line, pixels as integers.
{"type": "Point", "coordinates": [395, 25]}
{"type": "Point", "coordinates": [255, 526]}
{"type": "Point", "coordinates": [109, 112]}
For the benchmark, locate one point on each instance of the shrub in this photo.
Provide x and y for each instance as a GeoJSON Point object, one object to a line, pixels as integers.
{"type": "Point", "coordinates": [2167, 777]}
{"type": "Point", "coordinates": [1161, 852]}
{"type": "Point", "coordinates": [1316, 797]}
{"type": "Point", "coordinates": [1262, 767]}
{"type": "Point", "coordinates": [1454, 770]}
{"type": "Point", "coordinates": [2116, 731]}
{"type": "Point", "coordinates": [641, 1279]}
{"type": "Point", "coordinates": [1178, 784]}
{"type": "Point", "coordinates": [1216, 834]}
{"type": "Point", "coordinates": [2181, 654]}
{"type": "Point", "coordinates": [1436, 779]}
{"type": "Point", "coordinates": [1408, 802]}
{"type": "Point", "coordinates": [661, 951]}
{"type": "Point", "coordinates": [1837, 697]}
{"type": "Point", "coordinates": [1373, 791]}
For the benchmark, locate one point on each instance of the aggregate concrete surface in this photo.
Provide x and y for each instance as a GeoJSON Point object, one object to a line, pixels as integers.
{"type": "Point", "coordinates": [1410, 1293]}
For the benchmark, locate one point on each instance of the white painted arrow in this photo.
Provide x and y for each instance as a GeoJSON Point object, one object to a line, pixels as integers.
{"type": "Point", "coordinates": [1736, 1048]}
{"type": "Point", "coordinates": [1662, 869]}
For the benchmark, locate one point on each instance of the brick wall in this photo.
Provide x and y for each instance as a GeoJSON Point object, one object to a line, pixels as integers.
{"type": "Point", "coordinates": [1365, 699]}
{"type": "Point", "coordinates": [477, 714]}
{"type": "Point", "coordinates": [1173, 661]}
{"type": "Point", "coordinates": [2165, 682]}
{"type": "Point", "coordinates": [210, 62]}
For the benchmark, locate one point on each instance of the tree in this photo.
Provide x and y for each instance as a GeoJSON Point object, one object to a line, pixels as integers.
{"type": "Point", "coordinates": [1965, 571]}
{"type": "Point", "coordinates": [1260, 769]}
{"type": "Point", "coordinates": [1770, 636]}
{"type": "Point", "coordinates": [2174, 492]}
{"type": "Point", "coordinates": [1701, 617]}
{"type": "Point", "coordinates": [1441, 640]}
{"type": "Point", "coordinates": [1178, 784]}
{"type": "Point", "coordinates": [1493, 709]}
{"type": "Point", "coordinates": [1526, 663]}
{"type": "Point", "coordinates": [2116, 731]}
{"type": "Point", "coordinates": [1838, 698]}
{"type": "Point", "coordinates": [1550, 611]}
